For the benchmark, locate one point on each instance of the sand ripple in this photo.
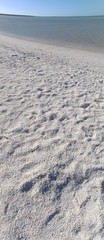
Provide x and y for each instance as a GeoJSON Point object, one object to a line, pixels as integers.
{"type": "Point", "coordinates": [51, 144]}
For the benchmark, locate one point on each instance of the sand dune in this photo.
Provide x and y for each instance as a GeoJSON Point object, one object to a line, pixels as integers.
{"type": "Point", "coordinates": [51, 143]}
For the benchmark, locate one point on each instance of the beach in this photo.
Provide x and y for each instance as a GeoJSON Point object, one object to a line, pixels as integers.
{"type": "Point", "coordinates": [51, 142]}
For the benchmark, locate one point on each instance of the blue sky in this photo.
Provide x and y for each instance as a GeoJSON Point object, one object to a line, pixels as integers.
{"type": "Point", "coordinates": [53, 7]}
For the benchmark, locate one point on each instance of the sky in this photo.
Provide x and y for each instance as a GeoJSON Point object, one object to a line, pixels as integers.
{"type": "Point", "coordinates": [53, 7]}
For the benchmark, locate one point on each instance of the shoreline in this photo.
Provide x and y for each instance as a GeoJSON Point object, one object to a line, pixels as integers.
{"type": "Point", "coordinates": [51, 142]}
{"type": "Point", "coordinates": [38, 42]}
{"type": "Point", "coordinates": [95, 56]}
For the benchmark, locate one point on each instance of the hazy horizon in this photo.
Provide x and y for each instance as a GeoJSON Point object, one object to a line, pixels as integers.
{"type": "Point", "coordinates": [27, 15]}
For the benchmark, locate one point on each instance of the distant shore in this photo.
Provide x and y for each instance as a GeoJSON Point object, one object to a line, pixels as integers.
{"type": "Point", "coordinates": [23, 15]}
{"type": "Point", "coordinates": [15, 15]}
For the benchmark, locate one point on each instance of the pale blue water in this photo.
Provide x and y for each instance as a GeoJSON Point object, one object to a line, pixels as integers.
{"type": "Point", "coordinates": [77, 32]}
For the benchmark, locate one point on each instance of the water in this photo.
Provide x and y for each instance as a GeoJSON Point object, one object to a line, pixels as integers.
{"type": "Point", "coordinates": [75, 32]}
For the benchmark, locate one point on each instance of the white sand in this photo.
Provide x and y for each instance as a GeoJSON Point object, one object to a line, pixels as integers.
{"type": "Point", "coordinates": [51, 143]}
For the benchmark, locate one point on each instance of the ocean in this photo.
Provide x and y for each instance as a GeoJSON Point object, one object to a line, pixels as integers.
{"type": "Point", "coordinates": [75, 32]}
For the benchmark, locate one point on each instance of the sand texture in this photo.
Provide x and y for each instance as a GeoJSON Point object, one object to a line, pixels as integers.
{"type": "Point", "coordinates": [51, 143]}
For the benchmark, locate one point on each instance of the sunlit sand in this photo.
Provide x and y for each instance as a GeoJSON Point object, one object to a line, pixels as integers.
{"type": "Point", "coordinates": [51, 142]}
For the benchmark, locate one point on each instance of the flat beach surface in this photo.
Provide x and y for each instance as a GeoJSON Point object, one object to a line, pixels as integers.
{"type": "Point", "coordinates": [51, 142]}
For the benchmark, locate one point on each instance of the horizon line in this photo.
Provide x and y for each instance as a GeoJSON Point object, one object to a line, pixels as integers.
{"type": "Point", "coordinates": [26, 15]}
